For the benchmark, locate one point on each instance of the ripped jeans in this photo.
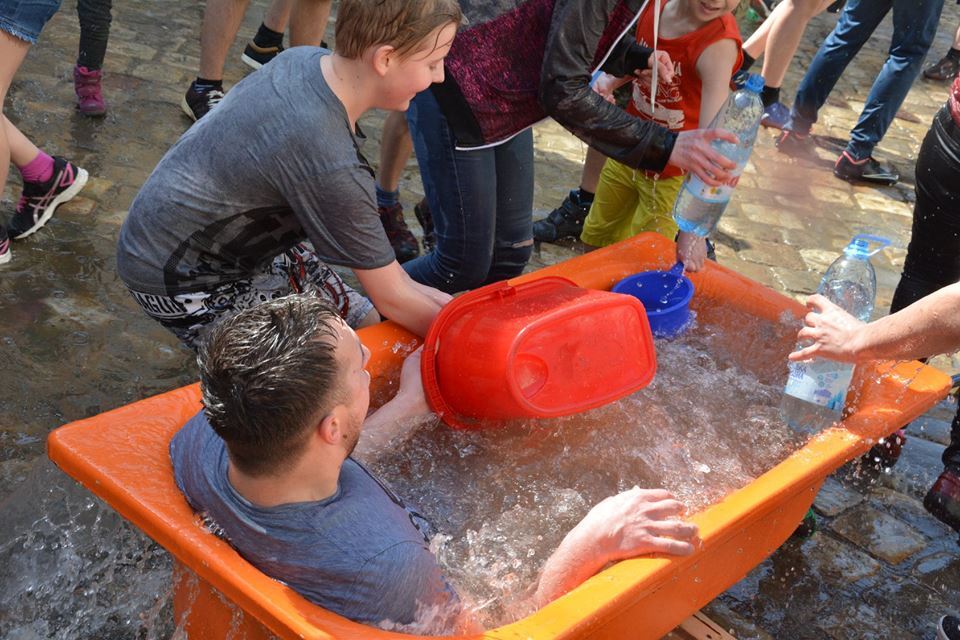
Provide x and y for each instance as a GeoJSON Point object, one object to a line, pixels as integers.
{"type": "Point", "coordinates": [481, 201]}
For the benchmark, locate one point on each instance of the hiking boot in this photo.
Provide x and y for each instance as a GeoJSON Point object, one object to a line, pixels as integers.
{"type": "Point", "coordinates": [5, 253]}
{"type": "Point", "coordinates": [944, 69]}
{"type": "Point", "coordinates": [943, 499]}
{"type": "Point", "coordinates": [866, 170]}
{"type": "Point", "coordinates": [198, 102]}
{"type": "Point", "coordinates": [795, 144]}
{"type": "Point", "coordinates": [775, 115]}
{"type": "Point", "coordinates": [948, 628]}
{"type": "Point", "coordinates": [887, 451]}
{"type": "Point", "coordinates": [566, 221]}
{"type": "Point", "coordinates": [39, 200]}
{"type": "Point", "coordinates": [86, 83]}
{"type": "Point", "coordinates": [401, 239]}
{"type": "Point", "coordinates": [255, 56]}
{"type": "Point", "coordinates": [425, 218]}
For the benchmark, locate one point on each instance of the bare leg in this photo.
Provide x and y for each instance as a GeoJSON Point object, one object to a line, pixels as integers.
{"type": "Point", "coordinates": [221, 21]}
{"type": "Point", "coordinates": [956, 39]}
{"type": "Point", "coordinates": [757, 41]}
{"type": "Point", "coordinates": [308, 22]}
{"type": "Point", "coordinates": [790, 19]}
{"type": "Point", "coordinates": [22, 151]}
{"type": "Point", "coordinates": [396, 147]}
{"type": "Point", "coordinates": [12, 52]}
{"type": "Point", "coordinates": [592, 166]}
{"type": "Point", "coordinates": [277, 16]}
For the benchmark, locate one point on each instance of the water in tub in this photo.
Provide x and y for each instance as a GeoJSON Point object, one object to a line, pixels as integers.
{"type": "Point", "coordinates": [502, 500]}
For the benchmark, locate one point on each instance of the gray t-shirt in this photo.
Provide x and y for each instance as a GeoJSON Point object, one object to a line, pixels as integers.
{"type": "Point", "coordinates": [274, 164]}
{"type": "Point", "coordinates": [359, 553]}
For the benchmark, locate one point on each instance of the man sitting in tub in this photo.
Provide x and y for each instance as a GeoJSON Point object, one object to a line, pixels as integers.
{"type": "Point", "coordinates": [268, 462]}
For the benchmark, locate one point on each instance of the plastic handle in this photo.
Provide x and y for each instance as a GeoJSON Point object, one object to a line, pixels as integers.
{"type": "Point", "coordinates": [676, 269]}
{"type": "Point", "coordinates": [881, 242]}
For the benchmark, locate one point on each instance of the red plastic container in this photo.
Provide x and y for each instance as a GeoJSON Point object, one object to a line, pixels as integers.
{"type": "Point", "coordinates": [540, 349]}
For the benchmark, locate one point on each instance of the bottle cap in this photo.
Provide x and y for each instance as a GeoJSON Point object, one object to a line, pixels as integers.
{"type": "Point", "coordinates": [754, 83]}
{"type": "Point", "coordinates": [859, 246]}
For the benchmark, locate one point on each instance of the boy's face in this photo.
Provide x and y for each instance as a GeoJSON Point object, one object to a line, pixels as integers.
{"type": "Point", "coordinates": [706, 10]}
{"type": "Point", "coordinates": [406, 77]}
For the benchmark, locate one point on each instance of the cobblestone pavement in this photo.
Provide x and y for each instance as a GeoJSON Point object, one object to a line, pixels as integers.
{"type": "Point", "coordinates": [74, 344]}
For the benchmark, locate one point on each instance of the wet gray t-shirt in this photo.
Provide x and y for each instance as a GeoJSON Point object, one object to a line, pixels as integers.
{"type": "Point", "coordinates": [274, 164]}
{"type": "Point", "coordinates": [359, 553]}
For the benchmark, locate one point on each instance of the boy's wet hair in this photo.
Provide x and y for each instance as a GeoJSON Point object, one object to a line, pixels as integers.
{"type": "Point", "coordinates": [265, 375]}
{"type": "Point", "coordinates": [401, 24]}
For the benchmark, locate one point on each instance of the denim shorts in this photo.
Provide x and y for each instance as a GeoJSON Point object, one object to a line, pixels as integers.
{"type": "Point", "coordinates": [25, 19]}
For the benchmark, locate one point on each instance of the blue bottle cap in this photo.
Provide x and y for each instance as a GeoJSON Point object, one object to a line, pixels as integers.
{"type": "Point", "coordinates": [754, 83]}
{"type": "Point", "coordinates": [859, 246]}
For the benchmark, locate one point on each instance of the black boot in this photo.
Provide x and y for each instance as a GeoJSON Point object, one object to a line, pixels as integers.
{"type": "Point", "coordinates": [566, 221]}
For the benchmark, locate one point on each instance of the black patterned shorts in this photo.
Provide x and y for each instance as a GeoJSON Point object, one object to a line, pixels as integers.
{"type": "Point", "coordinates": [298, 269]}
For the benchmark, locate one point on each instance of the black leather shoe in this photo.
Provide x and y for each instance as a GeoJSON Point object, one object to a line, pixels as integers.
{"type": "Point", "coordinates": [866, 170]}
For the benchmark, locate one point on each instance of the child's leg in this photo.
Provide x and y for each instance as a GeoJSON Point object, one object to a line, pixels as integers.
{"type": "Point", "coordinates": [654, 211]}
{"type": "Point", "coordinates": [95, 18]}
{"type": "Point", "coordinates": [12, 52]}
{"type": "Point", "coordinates": [616, 200]}
{"type": "Point", "coordinates": [308, 22]}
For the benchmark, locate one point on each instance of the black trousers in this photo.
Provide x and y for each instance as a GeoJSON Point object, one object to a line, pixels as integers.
{"type": "Point", "coordinates": [933, 256]}
{"type": "Point", "coordinates": [95, 20]}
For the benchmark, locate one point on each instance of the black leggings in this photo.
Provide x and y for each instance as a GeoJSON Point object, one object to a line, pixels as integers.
{"type": "Point", "coordinates": [95, 19]}
{"type": "Point", "coordinates": [933, 257]}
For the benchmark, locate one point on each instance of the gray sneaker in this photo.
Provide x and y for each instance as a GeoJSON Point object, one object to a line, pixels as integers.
{"type": "Point", "coordinates": [566, 221]}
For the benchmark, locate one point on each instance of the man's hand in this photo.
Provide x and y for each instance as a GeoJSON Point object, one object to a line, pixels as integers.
{"type": "Point", "coordinates": [605, 85]}
{"type": "Point", "coordinates": [641, 521]}
{"type": "Point", "coordinates": [665, 69]}
{"type": "Point", "coordinates": [691, 251]}
{"type": "Point", "coordinates": [411, 394]}
{"type": "Point", "coordinates": [693, 152]}
{"type": "Point", "coordinates": [833, 332]}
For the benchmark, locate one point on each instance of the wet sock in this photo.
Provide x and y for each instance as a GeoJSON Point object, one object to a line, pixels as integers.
{"type": "Point", "coordinates": [205, 84]}
{"type": "Point", "coordinates": [38, 170]}
{"type": "Point", "coordinates": [387, 198]}
{"type": "Point", "coordinates": [748, 60]}
{"type": "Point", "coordinates": [585, 197]}
{"type": "Point", "coordinates": [769, 95]}
{"type": "Point", "coordinates": [954, 54]}
{"type": "Point", "coordinates": [267, 37]}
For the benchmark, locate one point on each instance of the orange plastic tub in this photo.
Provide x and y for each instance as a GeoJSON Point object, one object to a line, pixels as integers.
{"type": "Point", "coordinates": [122, 457]}
{"type": "Point", "coordinates": [540, 349]}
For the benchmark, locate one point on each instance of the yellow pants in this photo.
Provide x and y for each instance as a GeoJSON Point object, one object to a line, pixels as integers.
{"type": "Point", "coordinates": [628, 202]}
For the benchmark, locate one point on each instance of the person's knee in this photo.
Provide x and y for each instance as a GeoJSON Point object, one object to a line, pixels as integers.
{"type": "Point", "coordinates": [461, 274]}
{"type": "Point", "coordinates": [510, 260]}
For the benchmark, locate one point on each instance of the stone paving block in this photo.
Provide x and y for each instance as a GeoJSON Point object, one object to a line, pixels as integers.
{"type": "Point", "coordinates": [772, 254]}
{"type": "Point", "coordinates": [861, 621]}
{"type": "Point", "coordinates": [834, 498]}
{"type": "Point", "coordinates": [882, 535]}
{"type": "Point", "coordinates": [909, 510]}
{"type": "Point", "coordinates": [797, 281]}
{"type": "Point", "coordinates": [917, 608]}
{"type": "Point", "coordinates": [919, 465]}
{"type": "Point", "coordinates": [929, 428]}
{"type": "Point", "coordinates": [941, 573]}
{"type": "Point", "coordinates": [843, 563]}
{"type": "Point", "coordinates": [735, 624]}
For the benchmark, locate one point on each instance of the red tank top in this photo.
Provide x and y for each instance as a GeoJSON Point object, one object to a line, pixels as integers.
{"type": "Point", "coordinates": [678, 103]}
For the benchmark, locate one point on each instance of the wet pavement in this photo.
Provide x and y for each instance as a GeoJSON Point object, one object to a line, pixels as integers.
{"type": "Point", "coordinates": [73, 343]}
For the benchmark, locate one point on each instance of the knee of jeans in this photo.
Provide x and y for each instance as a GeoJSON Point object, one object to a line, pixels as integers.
{"type": "Point", "coordinates": [461, 274]}
{"type": "Point", "coordinates": [510, 260]}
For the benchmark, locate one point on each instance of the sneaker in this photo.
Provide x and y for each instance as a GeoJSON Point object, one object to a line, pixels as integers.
{"type": "Point", "coordinates": [887, 451]}
{"type": "Point", "coordinates": [255, 57]}
{"type": "Point", "coordinates": [866, 170]}
{"type": "Point", "coordinates": [794, 144]}
{"type": "Point", "coordinates": [86, 83]}
{"type": "Point", "coordinates": [945, 69]}
{"type": "Point", "coordinates": [775, 115]}
{"type": "Point", "coordinates": [566, 221]}
{"type": "Point", "coordinates": [5, 253]}
{"type": "Point", "coordinates": [425, 218]}
{"type": "Point", "coordinates": [943, 499]}
{"type": "Point", "coordinates": [739, 79]}
{"type": "Point", "coordinates": [948, 628]}
{"type": "Point", "coordinates": [401, 239]}
{"type": "Point", "coordinates": [39, 200]}
{"type": "Point", "coordinates": [198, 102]}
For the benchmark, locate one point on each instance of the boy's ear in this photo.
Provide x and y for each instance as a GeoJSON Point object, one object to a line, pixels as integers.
{"type": "Point", "coordinates": [383, 58]}
{"type": "Point", "coordinates": [330, 427]}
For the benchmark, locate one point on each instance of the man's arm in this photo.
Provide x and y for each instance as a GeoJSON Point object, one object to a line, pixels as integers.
{"type": "Point", "coordinates": [632, 523]}
{"type": "Point", "coordinates": [398, 415]}
{"type": "Point", "coordinates": [396, 296]}
{"type": "Point", "coordinates": [928, 327]}
{"type": "Point", "coordinates": [566, 95]}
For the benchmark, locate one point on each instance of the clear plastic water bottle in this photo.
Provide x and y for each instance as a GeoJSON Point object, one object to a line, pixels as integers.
{"type": "Point", "coordinates": [817, 390]}
{"type": "Point", "coordinates": [699, 206]}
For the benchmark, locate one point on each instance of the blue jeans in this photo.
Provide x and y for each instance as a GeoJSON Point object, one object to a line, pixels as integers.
{"type": "Point", "coordinates": [25, 19]}
{"type": "Point", "coordinates": [481, 201]}
{"type": "Point", "coordinates": [914, 27]}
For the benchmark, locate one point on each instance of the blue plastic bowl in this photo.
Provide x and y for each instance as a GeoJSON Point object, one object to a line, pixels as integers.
{"type": "Point", "coordinates": [666, 297]}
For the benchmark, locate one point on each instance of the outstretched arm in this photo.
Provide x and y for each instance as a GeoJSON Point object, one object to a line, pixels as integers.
{"type": "Point", "coordinates": [928, 327]}
{"type": "Point", "coordinates": [632, 523]}
{"type": "Point", "coordinates": [396, 296]}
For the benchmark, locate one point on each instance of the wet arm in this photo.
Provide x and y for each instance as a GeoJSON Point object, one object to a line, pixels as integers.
{"type": "Point", "coordinates": [399, 298]}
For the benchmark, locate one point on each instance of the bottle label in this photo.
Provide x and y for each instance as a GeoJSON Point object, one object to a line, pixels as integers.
{"type": "Point", "coordinates": [721, 193]}
{"type": "Point", "coordinates": [820, 382]}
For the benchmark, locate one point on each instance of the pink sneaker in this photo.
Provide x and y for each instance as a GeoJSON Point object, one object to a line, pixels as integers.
{"type": "Point", "coordinates": [89, 93]}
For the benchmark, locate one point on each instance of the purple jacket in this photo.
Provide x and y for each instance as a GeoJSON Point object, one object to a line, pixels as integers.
{"type": "Point", "coordinates": [516, 62]}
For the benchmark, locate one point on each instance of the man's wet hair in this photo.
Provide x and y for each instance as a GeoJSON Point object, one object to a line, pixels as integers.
{"type": "Point", "coordinates": [266, 375]}
{"type": "Point", "coordinates": [401, 24]}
